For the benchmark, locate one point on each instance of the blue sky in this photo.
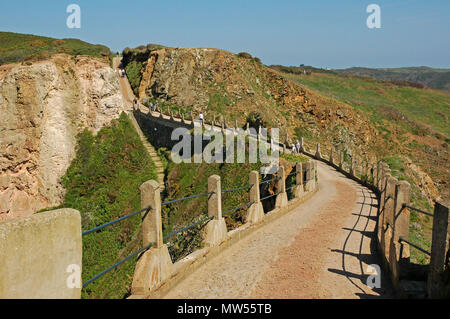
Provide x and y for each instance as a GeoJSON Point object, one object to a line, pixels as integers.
{"type": "Point", "coordinates": [327, 33]}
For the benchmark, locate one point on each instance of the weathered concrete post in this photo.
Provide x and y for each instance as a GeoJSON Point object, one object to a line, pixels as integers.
{"type": "Point", "coordinates": [307, 175]}
{"type": "Point", "coordinates": [374, 173]}
{"type": "Point", "coordinates": [387, 217]}
{"type": "Point", "coordinates": [439, 247]}
{"type": "Point", "coordinates": [236, 125]}
{"type": "Point", "coordinates": [331, 156]}
{"type": "Point", "coordinates": [255, 213]}
{"type": "Point", "coordinates": [399, 252]}
{"type": "Point", "coordinates": [216, 230]}
{"type": "Point", "coordinates": [302, 145]}
{"type": "Point", "coordinates": [281, 199]}
{"type": "Point", "coordinates": [155, 265]}
{"type": "Point", "coordinates": [41, 256]}
{"type": "Point", "coordinates": [318, 155]}
{"type": "Point", "coordinates": [351, 171]}
{"type": "Point", "coordinates": [299, 190]}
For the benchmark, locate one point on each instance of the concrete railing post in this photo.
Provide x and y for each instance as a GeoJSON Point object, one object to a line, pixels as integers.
{"type": "Point", "coordinates": [374, 175]}
{"type": "Point", "coordinates": [299, 190]}
{"type": "Point", "coordinates": [399, 256]}
{"type": "Point", "coordinates": [302, 145]}
{"type": "Point", "coordinates": [281, 199]}
{"type": "Point", "coordinates": [155, 265]}
{"type": "Point", "coordinates": [318, 155]}
{"type": "Point", "coordinates": [387, 217]}
{"type": "Point", "coordinates": [41, 256]}
{"type": "Point", "coordinates": [255, 213]}
{"type": "Point", "coordinates": [331, 156]}
{"type": "Point", "coordinates": [216, 230]}
{"type": "Point", "coordinates": [307, 169]}
{"type": "Point", "coordinates": [151, 220]}
{"type": "Point", "coordinates": [439, 248]}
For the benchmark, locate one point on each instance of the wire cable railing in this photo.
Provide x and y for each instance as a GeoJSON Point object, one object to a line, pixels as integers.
{"type": "Point", "coordinates": [418, 210]}
{"type": "Point", "coordinates": [188, 227]}
{"type": "Point", "coordinates": [202, 221]}
{"type": "Point", "coordinates": [186, 198]}
{"type": "Point", "coordinates": [270, 180]}
{"type": "Point", "coordinates": [237, 208]}
{"type": "Point", "coordinates": [87, 232]}
{"type": "Point", "coordinates": [117, 264]}
{"type": "Point", "coordinates": [147, 209]}
{"type": "Point", "coordinates": [264, 198]}
{"type": "Point", "coordinates": [237, 189]}
{"type": "Point", "coordinates": [401, 239]}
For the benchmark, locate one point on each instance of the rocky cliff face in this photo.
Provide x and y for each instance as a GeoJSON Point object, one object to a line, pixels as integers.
{"type": "Point", "coordinates": [43, 106]}
{"type": "Point", "coordinates": [217, 82]}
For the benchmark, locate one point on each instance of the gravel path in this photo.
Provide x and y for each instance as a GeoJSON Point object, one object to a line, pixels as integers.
{"type": "Point", "coordinates": [320, 249]}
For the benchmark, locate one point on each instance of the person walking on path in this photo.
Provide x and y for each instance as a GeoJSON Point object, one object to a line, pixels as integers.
{"type": "Point", "coordinates": [297, 146]}
{"type": "Point", "coordinates": [201, 118]}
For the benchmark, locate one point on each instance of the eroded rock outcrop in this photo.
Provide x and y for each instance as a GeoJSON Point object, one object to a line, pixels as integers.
{"type": "Point", "coordinates": [43, 106]}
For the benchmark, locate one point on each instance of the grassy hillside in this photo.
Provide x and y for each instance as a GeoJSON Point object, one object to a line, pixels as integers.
{"type": "Point", "coordinates": [428, 108]}
{"type": "Point", "coordinates": [103, 184]}
{"type": "Point", "coordinates": [15, 47]}
{"type": "Point", "coordinates": [433, 78]}
{"type": "Point", "coordinates": [413, 122]}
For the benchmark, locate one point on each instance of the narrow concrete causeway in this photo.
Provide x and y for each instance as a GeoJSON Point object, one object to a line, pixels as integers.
{"type": "Point", "coordinates": [321, 249]}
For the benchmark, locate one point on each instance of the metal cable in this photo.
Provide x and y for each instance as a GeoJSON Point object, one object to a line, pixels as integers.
{"type": "Point", "coordinates": [185, 198]}
{"type": "Point", "coordinates": [414, 245]}
{"type": "Point", "coordinates": [269, 180]}
{"type": "Point", "coordinates": [418, 210]}
{"type": "Point", "coordinates": [270, 196]}
{"type": "Point", "coordinates": [237, 189]}
{"type": "Point", "coordinates": [187, 227]}
{"type": "Point", "coordinates": [115, 221]}
{"type": "Point", "coordinates": [237, 208]}
{"type": "Point", "coordinates": [117, 264]}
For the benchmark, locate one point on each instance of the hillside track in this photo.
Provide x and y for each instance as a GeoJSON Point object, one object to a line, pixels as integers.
{"type": "Point", "coordinates": [321, 249]}
{"type": "Point", "coordinates": [128, 97]}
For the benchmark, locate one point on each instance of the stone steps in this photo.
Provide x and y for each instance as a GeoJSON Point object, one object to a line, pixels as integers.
{"type": "Point", "coordinates": [151, 151]}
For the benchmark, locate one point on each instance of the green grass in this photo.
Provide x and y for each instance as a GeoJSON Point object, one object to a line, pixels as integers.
{"type": "Point", "coordinates": [15, 47]}
{"type": "Point", "coordinates": [186, 179]}
{"type": "Point", "coordinates": [103, 184]}
{"type": "Point", "coordinates": [420, 228]}
{"type": "Point", "coordinates": [133, 71]}
{"type": "Point", "coordinates": [382, 100]}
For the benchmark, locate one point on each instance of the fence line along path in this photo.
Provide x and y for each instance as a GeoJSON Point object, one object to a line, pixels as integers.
{"type": "Point", "coordinates": [128, 96]}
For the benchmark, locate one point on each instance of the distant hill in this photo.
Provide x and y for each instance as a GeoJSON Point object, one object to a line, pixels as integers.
{"type": "Point", "coordinates": [16, 47]}
{"type": "Point", "coordinates": [433, 78]}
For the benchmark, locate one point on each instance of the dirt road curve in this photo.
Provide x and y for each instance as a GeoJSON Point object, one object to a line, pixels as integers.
{"type": "Point", "coordinates": [321, 249]}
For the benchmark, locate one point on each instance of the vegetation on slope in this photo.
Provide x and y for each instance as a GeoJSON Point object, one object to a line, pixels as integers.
{"type": "Point", "coordinates": [186, 179]}
{"type": "Point", "coordinates": [16, 47]}
{"type": "Point", "coordinates": [433, 78]}
{"type": "Point", "coordinates": [103, 184]}
{"type": "Point", "coordinates": [413, 122]}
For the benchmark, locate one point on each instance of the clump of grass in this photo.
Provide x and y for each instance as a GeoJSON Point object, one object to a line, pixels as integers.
{"type": "Point", "coordinates": [103, 184]}
{"type": "Point", "coordinates": [420, 229]}
{"type": "Point", "coordinates": [133, 70]}
{"type": "Point", "coordinates": [15, 47]}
